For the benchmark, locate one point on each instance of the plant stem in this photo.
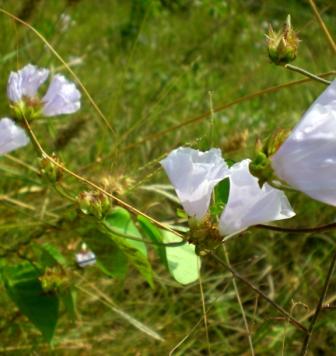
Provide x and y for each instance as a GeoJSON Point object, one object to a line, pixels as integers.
{"type": "Point", "coordinates": [319, 307]}
{"type": "Point", "coordinates": [307, 74]}
{"type": "Point", "coordinates": [299, 230]}
{"type": "Point", "coordinates": [322, 25]}
{"type": "Point", "coordinates": [239, 302]}
{"type": "Point", "coordinates": [288, 317]}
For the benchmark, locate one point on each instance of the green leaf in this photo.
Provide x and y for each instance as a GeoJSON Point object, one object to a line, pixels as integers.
{"type": "Point", "coordinates": [50, 255]}
{"type": "Point", "coordinates": [183, 263]}
{"type": "Point", "coordinates": [154, 234]}
{"type": "Point", "coordinates": [110, 258]}
{"type": "Point", "coordinates": [121, 224]}
{"type": "Point", "coordinates": [25, 290]}
{"type": "Point", "coordinates": [221, 196]}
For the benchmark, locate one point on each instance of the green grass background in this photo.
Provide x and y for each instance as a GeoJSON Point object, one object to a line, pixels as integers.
{"type": "Point", "coordinates": [150, 65]}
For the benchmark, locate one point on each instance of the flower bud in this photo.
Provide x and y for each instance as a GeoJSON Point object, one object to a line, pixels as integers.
{"type": "Point", "coordinates": [282, 45]}
{"type": "Point", "coordinates": [94, 203]}
{"type": "Point", "coordinates": [204, 235]}
{"type": "Point", "coordinates": [48, 169]}
{"type": "Point", "coordinates": [54, 280]}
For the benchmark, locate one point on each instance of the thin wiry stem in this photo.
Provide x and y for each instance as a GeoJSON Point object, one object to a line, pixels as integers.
{"type": "Point", "coordinates": [322, 25]}
{"type": "Point", "coordinates": [205, 319]}
{"type": "Point", "coordinates": [307, 74]}
{"type": "Point", "coordinates": [298, 230]}
{"type": "Point", "coordinates": [273, 89]}
{"type": "Point", "coordinates": [240, 303]}
{"type": "Point", "coordinates": [237, 275]}
{"type": "Point", "coordinates": [319, 307]}
{"type": "Point", "coordinates": [55, 53]}
{"type": "Point", "coordinates": [119, 201]}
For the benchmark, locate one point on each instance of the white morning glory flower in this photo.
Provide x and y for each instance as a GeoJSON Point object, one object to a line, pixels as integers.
{"type": "Point", "coordinates": [194, 174]}
{"type": "Point", "coordinates": [248, 204]}
{"type": "Point", "coordinates": [11, 136]}
{"type": "Point", "coordinates": [307, 159]}
{"type": "Point", "coordinates": [62, 96]}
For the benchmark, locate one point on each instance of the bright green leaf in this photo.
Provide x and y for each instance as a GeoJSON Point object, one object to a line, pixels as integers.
{"type": "Point", "coordinates": [183, 263]}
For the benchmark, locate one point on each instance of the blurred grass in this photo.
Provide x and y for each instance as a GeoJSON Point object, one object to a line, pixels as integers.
{"type": "Point", "coordinates": [149, 68]}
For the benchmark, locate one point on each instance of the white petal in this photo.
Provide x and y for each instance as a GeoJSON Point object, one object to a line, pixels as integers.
{"type": "Point", "coordinates": [11, 136]}
{"type": "Point", "coordinates": [248, 204]}
{"type": "Point", "coordinates": [307, 159]}
{"type": "Point", "coordinates": [194, 174]}
{"type": "Point", "coordinates": [25, 82]}
{"type": "Point", "coordinates": [62, 97]}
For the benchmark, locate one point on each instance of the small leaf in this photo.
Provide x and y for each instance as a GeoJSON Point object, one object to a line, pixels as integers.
{"type": "Point", "coordinates": [24, 288]}
{"type": "Point", "coordinates": [120, 221]}
{"type": "Point", "coordinates": [110, 259]}
{"type": "Point", "coordinates": [68, 298]}
{"type": "Point", "coordinates": [183, 263]}
{"type": "Point", "coordinates": [221, 196]}
{"type": "Point", "coordinates": [50, 255]}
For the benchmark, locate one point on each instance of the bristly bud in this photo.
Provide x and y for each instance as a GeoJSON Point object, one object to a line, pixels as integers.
{"type": "Point", "coordinates": [54, 280]}
{"type": "Point", "coordinates": [261, 167]}
{"type": "Point", "coordinates": [282, 45]}
{"type": "Point", "coordinates": [204, 235]}
{"type": "Point", "coordinates": [48, 169]}
{"type": "Point", "coordinates": [94, 203]}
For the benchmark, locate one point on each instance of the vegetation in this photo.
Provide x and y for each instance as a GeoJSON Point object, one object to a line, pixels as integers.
{"type": "Point", "coordinates": [164, 74]}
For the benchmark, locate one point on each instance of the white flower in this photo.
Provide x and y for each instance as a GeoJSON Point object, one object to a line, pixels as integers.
{"type": "Point", "coordinates": [248, 204]}
{"type": "Point", "coordinates": [62, 96]}
{"type": "Point", "coordinates": [194, 174]}
{"type": "Point", "coordinates": [11, 136]}
{"type": "Point", "coordinates": [307, 159]}
{"type": "Point", "coordinates": [25, 82]}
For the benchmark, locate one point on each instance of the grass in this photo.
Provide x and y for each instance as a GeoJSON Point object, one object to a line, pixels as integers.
{"type": "Point", "coordinates": [147, 72]}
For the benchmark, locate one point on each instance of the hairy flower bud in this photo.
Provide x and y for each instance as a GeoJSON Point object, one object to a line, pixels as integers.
{"type": "Point", "coordinates": [282, 45]}
{"type": "Point", "coordinates": [94, 203]}
{"type": "Point", "coordinates": [54, 280]}
{"type": "Point", "coordinates": [48, 169]}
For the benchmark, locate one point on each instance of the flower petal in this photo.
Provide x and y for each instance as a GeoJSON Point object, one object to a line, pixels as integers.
{"type": "Point", "coordinates": [25, 82]}
{"type": "Point", "coordinates": [249, 204]}
{"type": "Point", "coordinates": [307, 159]}
{"type": "Point", "coordinates": [62, 97]}
{"type": "Point", "coordinates": [11, 136]}
{"type": "Point", "coordinates": [194, 174]}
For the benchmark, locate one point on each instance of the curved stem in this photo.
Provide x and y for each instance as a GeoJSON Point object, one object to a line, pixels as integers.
{"type": "Point", "coordinates": [288, 317]}
{"type": "Point", "coordinates": [298, 230]}
{"type": "Point", "coordinates": [306, 73]}
{"type": "Point", "coordinates": [319, 307]}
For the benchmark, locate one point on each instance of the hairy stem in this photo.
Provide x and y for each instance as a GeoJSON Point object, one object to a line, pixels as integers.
{"type": "Point", "coordinates": [238, 276]}
{"type": "Point", "coordinates": [306, 73]}
{"type": "Point", "coordinates": [319, 307]}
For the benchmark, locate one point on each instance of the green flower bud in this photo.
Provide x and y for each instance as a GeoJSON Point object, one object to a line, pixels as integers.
{"type": "Point", "coordinates": [94, 203]}
{"type": "Point", "coordinates": [204, 235]}
{"type": "Point", "coordinates": [282, 45]}
{"type": "Point", "coordinates": [54, 280]}
{"type": "Point", "coordinates": [27, 108]}
{"type": "Point", "coordinates": [49, 170]}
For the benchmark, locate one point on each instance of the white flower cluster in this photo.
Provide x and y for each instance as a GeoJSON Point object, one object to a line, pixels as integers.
{"type": "Point", "coordinates": [194, 175]}
{"type": "Point", "coordinates": [306, 161]}
{"type": "Point", "coordinates": [62, 97]}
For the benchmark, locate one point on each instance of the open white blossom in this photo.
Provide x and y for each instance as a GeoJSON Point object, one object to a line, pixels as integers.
{"type": "Point", "coordinates": [307, 159]}
{"type": "Point", "coordinates": [25, 82]}
{"type": "Point", "coordinates": [248, 204]}
{"type": "Point", "coordinates": [62, 96]}
{"type": "Point", "coordinates": [194, 174]}
{"type": "Point", "coordinates": [11, 136]}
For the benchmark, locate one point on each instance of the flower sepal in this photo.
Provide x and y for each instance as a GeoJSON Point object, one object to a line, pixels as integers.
{"type": "Point", "coordinates": [204, 235]}
{"type": "Point", "coordinates": [29, 110]}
